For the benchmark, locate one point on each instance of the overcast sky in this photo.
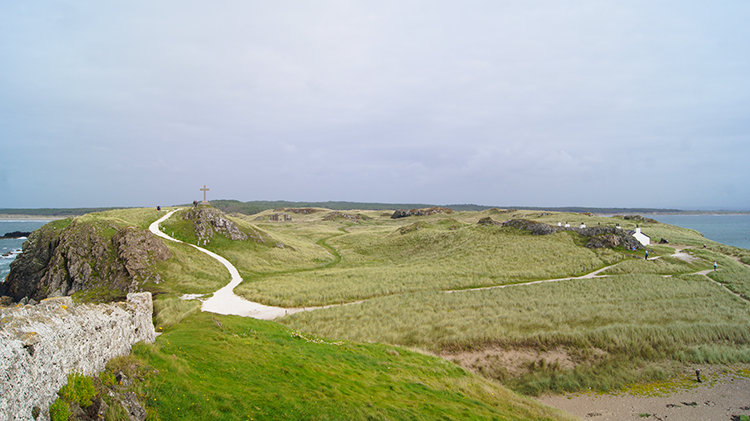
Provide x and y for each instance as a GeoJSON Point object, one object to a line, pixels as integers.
{"type": "Point", "coordinates": [527, 103]}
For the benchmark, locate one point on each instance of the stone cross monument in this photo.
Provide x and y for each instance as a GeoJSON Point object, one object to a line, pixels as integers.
{"type": "Point", "coordinates": [204, 190]}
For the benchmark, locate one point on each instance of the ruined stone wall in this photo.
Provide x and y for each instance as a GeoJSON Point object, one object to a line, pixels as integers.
{"type": "Point", "coordinates": [41, 344]}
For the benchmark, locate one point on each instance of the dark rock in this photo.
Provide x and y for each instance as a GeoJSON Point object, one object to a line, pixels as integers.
{"type": "Point", "coordinates": [35, 411]}
{"type": "Point", "coordinates": [302, 211]}
{"type": "Point", "coordinates": [77, 413]}
{"type": "Point", "coordinates": [122, 379]}
{"type": "Point", "coordinates": [488, 221]}
{"type": "Point", "coordinates": [6, 301]}
{"type": "Point", "coordinates": [16, 234]}
{"type": "Point", "coordinates": [608, 237]}
{"type": "Point", "coordinates": [640, 218]}
{"type": "Point", "coordinates": [97, 410]}
{"type": "Point", "coordinates": [400, 213]}
{"type": "Point", "coordinates": [536, 228]}
{"type": "Point", "coordinates": [207, 221]}
{"type": "Point", "coordinates": [420, 212]}
{"type": "Point", "coordinates": [83, 255]}
{"type": "Point", "coordinates": [133, 407]}
{"type": "Point", "coordinates": [663, 241]}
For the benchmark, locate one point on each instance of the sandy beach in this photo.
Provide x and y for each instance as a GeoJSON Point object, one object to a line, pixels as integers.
{"type": "Point", "coordinates": [724, 395]}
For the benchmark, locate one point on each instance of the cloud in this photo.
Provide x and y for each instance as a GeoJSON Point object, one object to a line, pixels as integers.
{"type": "Point", "coordinates": [486, 102]}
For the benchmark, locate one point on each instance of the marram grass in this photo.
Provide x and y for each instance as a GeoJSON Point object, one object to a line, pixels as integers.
{"type": "Point", "coordinates": [636, 326]}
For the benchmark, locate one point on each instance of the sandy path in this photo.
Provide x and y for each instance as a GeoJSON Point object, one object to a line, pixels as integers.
{"type": "Point", "coordinates": [225, 301]}
{"type": "Point", "coordinates": [594, 274]}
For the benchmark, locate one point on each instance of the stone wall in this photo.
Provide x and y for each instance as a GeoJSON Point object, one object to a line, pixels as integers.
{"type": "Point", "coordinates": [41, 344]}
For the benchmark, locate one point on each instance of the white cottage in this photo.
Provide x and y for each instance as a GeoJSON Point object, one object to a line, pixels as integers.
{"type": "Point", "coordinates": [641, 237]}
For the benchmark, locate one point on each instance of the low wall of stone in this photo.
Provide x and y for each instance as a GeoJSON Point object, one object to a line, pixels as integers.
{"type": "Point", "coordinates": [41, 344]}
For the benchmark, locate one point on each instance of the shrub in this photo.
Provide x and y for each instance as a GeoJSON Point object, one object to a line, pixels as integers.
{"type": "Point", "coordinates": [59, 410]}
{"type": "Point", "coordinates": [80, 390]}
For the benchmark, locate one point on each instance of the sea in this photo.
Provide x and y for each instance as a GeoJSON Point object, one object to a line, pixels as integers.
{"type": "Point", "coordinates": [10, 248]}
{"type": "Point", "coordinates": [733, 230]}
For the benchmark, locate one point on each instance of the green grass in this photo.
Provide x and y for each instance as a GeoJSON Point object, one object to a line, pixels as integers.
{"type": "Point", "coordinates": [230, 368]}
{"type": "Point", "coordinates": [442, 256]}
{"type": "Point", "coordinates": [643, 323]}
{"type": "Point", "coordinates": [282, 251]}
{"type": "Point", "coordinates": [189, 271]}
{"type": "Point", "coordinates": [638, 322]}
{"type": "Point", "coordinates": [635, 326]}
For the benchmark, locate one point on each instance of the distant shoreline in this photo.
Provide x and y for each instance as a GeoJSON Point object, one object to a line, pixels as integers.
{"type": "Point", "coordinates": [30, 218]}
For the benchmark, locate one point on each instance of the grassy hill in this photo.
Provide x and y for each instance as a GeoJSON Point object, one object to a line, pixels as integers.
{"type": "Point", "coordinates": [442, 285]}
{"type": "Point", "coordinates": [233, 368]}
{"type": "Point", "coordinates": [637, 325]}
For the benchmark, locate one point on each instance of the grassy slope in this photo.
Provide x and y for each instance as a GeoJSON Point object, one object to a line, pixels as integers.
{"type": "Point", "coordinates": [641, 321]}
{"type": "Point", "coordinates": [232, 368]}
{"type": "Point", "coordinates": [248, 369]}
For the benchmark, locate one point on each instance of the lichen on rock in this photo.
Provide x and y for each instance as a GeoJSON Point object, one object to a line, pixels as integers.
{"type": "Point", "coordinates": [41, 345]}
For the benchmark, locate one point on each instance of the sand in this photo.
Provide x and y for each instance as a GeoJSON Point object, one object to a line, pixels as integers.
{"type": "Point", "coordinates": [723, 395]}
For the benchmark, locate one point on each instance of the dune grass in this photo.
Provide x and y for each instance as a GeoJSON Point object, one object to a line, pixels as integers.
{"type": "Point", "coordinates": [244, 369]}
{"type": "Point", "coordinates": [638, 324]}
{"type": "Point", "coordinates": [638, 321]}
{"type": "Point", "coordinates": [381, 262]}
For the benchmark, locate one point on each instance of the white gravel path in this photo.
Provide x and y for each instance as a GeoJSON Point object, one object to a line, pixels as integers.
{"type": "Point", "coordinates": [225, 301]}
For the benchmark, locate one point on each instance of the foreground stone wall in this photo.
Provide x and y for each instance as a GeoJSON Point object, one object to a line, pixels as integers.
{"type": "Point", "coordinates": [40, 345]}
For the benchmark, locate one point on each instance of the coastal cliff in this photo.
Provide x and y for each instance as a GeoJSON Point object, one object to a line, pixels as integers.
{"type": "Point", "coordinates": [64, 257]}
{"type": "Point", "coordinates": [41, 344]}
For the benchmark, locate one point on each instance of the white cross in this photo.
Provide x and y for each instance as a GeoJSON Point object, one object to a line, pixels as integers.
{"type": "Point", "coordinates": [204, 190]}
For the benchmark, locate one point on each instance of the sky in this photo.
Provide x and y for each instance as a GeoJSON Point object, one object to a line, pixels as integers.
{"type": "Point", "coordinates": [500, 103]}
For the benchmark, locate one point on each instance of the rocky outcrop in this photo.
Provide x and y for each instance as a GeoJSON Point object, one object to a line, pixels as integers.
{"type": "Point", "coordinates": [207, 221]}
{"type": "Point", "coordinates": [600, 237]}
{"type": "Point", "coordinates": [59, 260]}
{"type": "Point", "coordinates": [536, 228]}
{"type": "Point", "coordinates": [302, 211]}
{"type": "Point", "coordinates": [336, 215]}
{"type": "Point", "coordinates": [487, 221]}
{"type": "Point", "coordinates": [40, 345]}
{"type": "Point", "coordinates": [16, 234]}
{"type": "Point", "coordinates": [638, 218]}
{"type": "Point", "coordinates": [400, 213]}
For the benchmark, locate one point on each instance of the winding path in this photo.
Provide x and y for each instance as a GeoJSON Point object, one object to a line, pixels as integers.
{"type": "Point", "coordinates": [225, 301]}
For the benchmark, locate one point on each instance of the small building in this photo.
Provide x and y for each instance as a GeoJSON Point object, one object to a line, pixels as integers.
{"type": "Point", "coordinates": [281, 216]}
{"type": "Point", "coordinates": [641, 237]}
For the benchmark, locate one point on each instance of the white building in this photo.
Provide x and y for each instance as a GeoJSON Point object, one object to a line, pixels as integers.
{"type": "Point", "coordinates": [641, 237]}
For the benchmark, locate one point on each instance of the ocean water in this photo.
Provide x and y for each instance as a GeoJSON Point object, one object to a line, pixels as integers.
{"type": "Point", "coordinates": [9, 248]}
{"type": "Point", "coordinates": [733, 230]}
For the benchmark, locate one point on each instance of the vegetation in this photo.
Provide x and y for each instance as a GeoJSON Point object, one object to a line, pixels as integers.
{"type": "Point", "coordinates": [245, 369]}
{"type": "Point", "coordinates": [78, 392]}
{"type": "Point", "coordinates": [443, 285]}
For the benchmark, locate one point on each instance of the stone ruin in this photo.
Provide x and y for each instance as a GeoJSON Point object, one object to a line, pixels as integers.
{"type": "Point", "coordinates": [40, 345]}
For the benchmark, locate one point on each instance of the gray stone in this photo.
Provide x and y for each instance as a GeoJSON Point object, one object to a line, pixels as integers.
{"type": "Point", "coordinates": [134, 408]}
{"type": "Point", "coordinates": [40, 345]}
